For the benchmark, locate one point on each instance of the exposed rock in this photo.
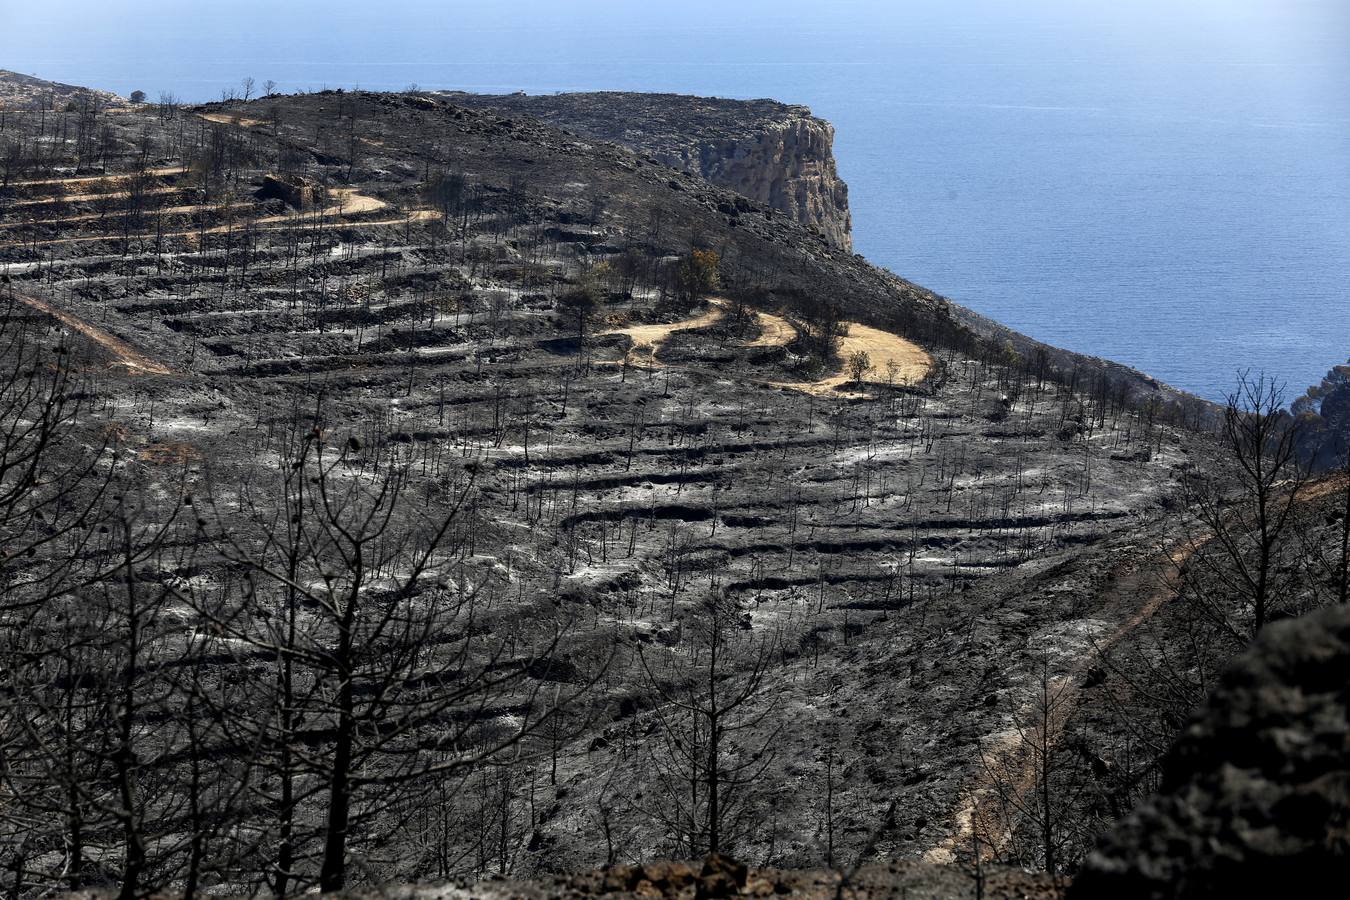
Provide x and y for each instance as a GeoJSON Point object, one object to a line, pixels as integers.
{"type": "Point", "coordinates": [18, 91]}
{"type": "Point", "coordinates": [772, 152]}
{"type": "Point", "coordinates": [723, 877]}
{"type": "Point", "coordinates": [1255, 798]}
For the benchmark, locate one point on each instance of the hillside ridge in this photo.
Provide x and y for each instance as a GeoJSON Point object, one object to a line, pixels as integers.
{"type": "Point", "coordinates": [464, 468]}
{"type": "Point", "coordinates": [776, 153]}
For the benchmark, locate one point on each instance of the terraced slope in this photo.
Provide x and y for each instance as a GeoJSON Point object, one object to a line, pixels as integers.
{"type": "Point", "coordinates": [912, 548]}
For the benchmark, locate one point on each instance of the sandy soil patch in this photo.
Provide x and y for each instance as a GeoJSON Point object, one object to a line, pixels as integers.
{"type": "Point", "coordinates": [171, 453]}
{"type": "Point", "coordinates": [889, 354]}
{"type": "Point", "coordinates": [1322, 487]}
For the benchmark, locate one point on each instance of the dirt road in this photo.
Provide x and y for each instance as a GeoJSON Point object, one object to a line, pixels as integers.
{"type": "Point", "coordinates": [231, 119]}
{"type": "Point", "coordinates": [1158, 582]}
{"type": "Point", "coordinates": [648, 339]}
{"type": "Point", "coordinates": [894, 359]}
{"type": "Point", "coordinates": [774, 331]}
{"type": "Point", "coordinates": [349, 203]}
{"type": "Point", "coordinates": [124, 355]}
{"type": "Point", "coordinates": [1007, 757]}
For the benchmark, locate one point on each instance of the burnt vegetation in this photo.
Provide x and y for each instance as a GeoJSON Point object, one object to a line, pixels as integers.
{"type": "Point", "coordinates": [349, 534]}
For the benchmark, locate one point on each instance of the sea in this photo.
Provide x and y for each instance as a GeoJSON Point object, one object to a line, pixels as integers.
{"type": "Point", "coordinates": [1166, 184]}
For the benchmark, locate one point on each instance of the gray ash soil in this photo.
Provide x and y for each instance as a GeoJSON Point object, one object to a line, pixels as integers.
{"type": "Point", "coordinates": [916, 552]}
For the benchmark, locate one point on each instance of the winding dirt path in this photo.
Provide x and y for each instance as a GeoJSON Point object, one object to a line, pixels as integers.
{"type": "Point", "coordinates": [648, 339]}
{"type": "Point", "coordinates": [124, 355]}
{"type": "Point", "coordinates": [774, 331]}
{"type": "Point", "coordinates": [1006, 756]}
{"type": "Point", "coordinates": [185, 209]}
{"type": "Point", "coordinates": [894, 360]}
{"type": "Point", "coordinates": [348, 203]}
{"type": "Point", "coordinates": [1161, 581]}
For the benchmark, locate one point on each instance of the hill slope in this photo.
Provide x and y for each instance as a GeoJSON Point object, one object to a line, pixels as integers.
{"type": "Point", "coordinates": [636, 417]}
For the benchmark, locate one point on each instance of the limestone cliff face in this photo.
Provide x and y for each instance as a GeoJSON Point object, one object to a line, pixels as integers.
{"type": "Point", "coordinates": [787, 164]}
{"type": "Point", "coordinates": [777, 154]}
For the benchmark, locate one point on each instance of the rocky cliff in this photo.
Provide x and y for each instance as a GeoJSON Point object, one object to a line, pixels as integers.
{"type": "Point", "coordinates": [775, 153]}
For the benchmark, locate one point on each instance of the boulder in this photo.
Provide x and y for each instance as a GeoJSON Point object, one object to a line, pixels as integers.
{"type": "Point", "coordinates": [1255, 795]}
{"type": "Point", "coordinates": [721, 876]}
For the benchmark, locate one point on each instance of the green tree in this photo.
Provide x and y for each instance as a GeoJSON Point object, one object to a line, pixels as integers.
{"type": "Point", "coordinates": [859, 364]}
{"type": "Point", "coordinates": [696, 275]}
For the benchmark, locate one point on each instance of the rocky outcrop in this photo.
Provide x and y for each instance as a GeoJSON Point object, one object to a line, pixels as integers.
{"type": "Point", "coordinates": [1324, 412]}
{"type": "Point", "coordinates": [775, 153]}
{"type": "Point", "coordinates": [19, 91]}
{"type": "Point", "coordinates": [790, 166]}
{"type": "Point", "coordinates": [1255, 799]}
{"type": "Point", "coordinates": [722, 878]}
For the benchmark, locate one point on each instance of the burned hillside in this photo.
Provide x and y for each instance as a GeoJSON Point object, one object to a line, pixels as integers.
{"type": "Point", "coordinates": [409, 491]}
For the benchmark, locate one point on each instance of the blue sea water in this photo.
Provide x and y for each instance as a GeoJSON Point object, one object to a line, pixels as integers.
{"type": "Point", "coordinates": [1163, 183]}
